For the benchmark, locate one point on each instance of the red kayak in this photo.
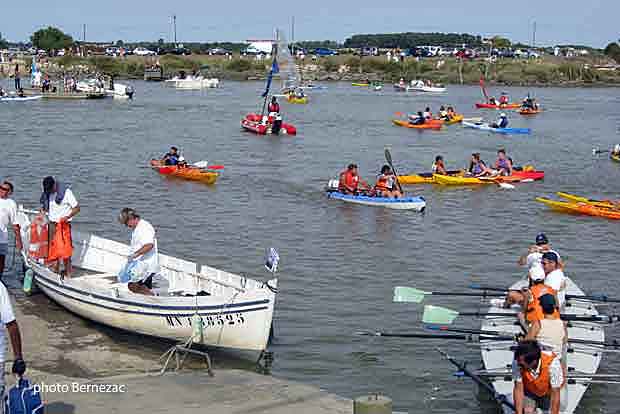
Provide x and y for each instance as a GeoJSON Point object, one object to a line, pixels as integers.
{"type": "Point", "coordinates": [254, 123]}
{"type": "Point", "coordinates": [498, 106]}
{"type": "Point", "coordinates": [520, 175]}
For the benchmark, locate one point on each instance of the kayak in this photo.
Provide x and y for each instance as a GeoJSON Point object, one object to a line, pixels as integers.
{"type": "Point", "coordinates": [580, 208]}
{"type": "Point", "coordinates": [498, 106]}
{"type": "Point", "coordinates": [360, 84]}
{"type": "Point", "coordinates": [487, 127]}
{"type": "Point", "coordinates": [455, 120]}
{"type": "Point", "coordinates": [433, 124]}
{"type": "Point", "coordinates": [593, 202]}
{"type": "Point", "coordinates": [405, 203]}
{"type": "Point", "coordinates": [20, 98]}
{"type": "Point", "coordinates": [423, 178]}
{"type": "Point", "coordinates": [187, 173]}
{"type": "Point", "coordinates": [295, 100]}
{"type": "Point", "coordinates": [615, 157]}
{"type": "Point", "coordinates": [253, 123]}
{"type": "Point", "coordinates": [517, 176]}
{"type": "Point", "coordinates": [527, 111]}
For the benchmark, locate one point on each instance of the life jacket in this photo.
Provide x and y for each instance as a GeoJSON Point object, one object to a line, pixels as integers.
{"type": "Point", "coordinates": [62, 246]}
{"type": "Point", "coordinates": [384, 182]}
{"type": "Point", "coordinates": [534, 311]}
{"type": "Point", "coordinates": [39, 244]}
{"type": "Point", "coordinates": [502, 163]}
{"type": "Point", "coordinates": [503, 99]}
{"type": "Point", "coordinates": [477, 168]}
{"type": "Point", "coordinates": [348, 181]}
{"type": "Point", "coordinates": [541, 385]}
{"type": "Point", "coordinates": [274, 107]}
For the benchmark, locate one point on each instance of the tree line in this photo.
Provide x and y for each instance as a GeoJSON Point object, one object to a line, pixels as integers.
{"type": "Point", "coordinates": [410, 39]}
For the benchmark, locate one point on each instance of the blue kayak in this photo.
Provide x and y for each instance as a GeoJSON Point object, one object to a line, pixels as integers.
{"type": "Point", "coordinates": [405, 203]}
{"type": "Point", "coordinates": [487, 127]}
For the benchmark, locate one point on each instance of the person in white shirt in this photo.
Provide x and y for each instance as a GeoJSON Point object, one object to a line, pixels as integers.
{"type": "Point", "coordinates": [535, 252]}
{"type": "Point", "coordinates": [60, 204]}
{"type": "Point", "coordinates": [143, 249]}
{"type": "Point", "coordinates": [555, 277]}
{"type": "Point", "coordinates": [7, 318]}
{"type": "Point", "coordinates": [8, 217]}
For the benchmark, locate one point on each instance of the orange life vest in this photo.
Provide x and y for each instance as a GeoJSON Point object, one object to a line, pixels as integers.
{"type": "Point", "coordinates": [382, 183]}
{"type": "Point", "coordinates": [541, 385]}
{"type": "Point", "coordinates": [38, 247]}
{"type": "Point", "coordinates": [348, 181]}
{"type": "Point", "coordinates": [534, 310]}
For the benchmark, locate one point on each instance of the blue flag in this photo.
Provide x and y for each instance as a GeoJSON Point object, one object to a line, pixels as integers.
{"type": "Point", "coordinates": [274, 69]}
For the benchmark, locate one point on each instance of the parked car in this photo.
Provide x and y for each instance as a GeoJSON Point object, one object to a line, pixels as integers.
{"type": "Point", "coordinates": [61, 52]}
{"type": "Point", "coordinates": [323, 51]}
{"type": "Point", "coordinates": [112, 51]}
{"type": "Point", "coordinates": [419, 52]}
{"type": "Point", "coordinates": [369, 51]}
{"type": "Point", "coordinates": [219, 51]}
{"type": "Point", "coordinates": [142, 51]}
{"type": "Point", "coordinates": [182, 51]}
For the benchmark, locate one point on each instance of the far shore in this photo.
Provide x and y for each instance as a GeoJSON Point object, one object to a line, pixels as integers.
{"type": "Point", "coordinates": [546, 71]}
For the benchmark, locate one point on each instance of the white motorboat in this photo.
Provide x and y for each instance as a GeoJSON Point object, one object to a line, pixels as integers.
{"type": "Point", "coordinates": [192, 82]}
{"type": "Point", "coordinates": [113, 89]}
{"type": "Point", "coordinates": [210, 306]}
{"type": "Point", "coordinates": [419, 86]}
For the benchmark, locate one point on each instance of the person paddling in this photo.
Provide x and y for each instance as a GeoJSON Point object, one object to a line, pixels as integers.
{"type": "Point", "coordinates": [427, 113]}
{"type": "Point", "coordinates": [502, 122]}
{"type": "Point", "coordinates": [538, 378]}
{"type": "Point", "coordinates": [503, 99]}
{"type": "Point", "coordinates": [274, 106]}
{"type": "Point", "coordinates": [386, 184]}
{"type": "Point", "coordinates": [349, 181]}
{"type": "Point", "coordinates": [438, 166]}
{"type": "Point", "coordinates": [171, 157]}
{"type": "Point", "coordinates": [443, 114]}
{"type": "Point", "coordinates": [477, 167]}
{"type": "Point", "coordinates": [417, 119]}
{"type": "Point", "coordinates": [503, 164]}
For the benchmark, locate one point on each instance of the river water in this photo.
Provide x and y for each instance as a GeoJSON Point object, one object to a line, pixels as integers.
{"type": "Point", "coordinates": [339, 262]}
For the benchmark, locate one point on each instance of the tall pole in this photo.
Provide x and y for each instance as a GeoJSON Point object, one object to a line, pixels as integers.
{"type": "Point", "coordinates": [174, 24]}
{"type": "Point", "coordinates": [84, 33]}
{"type": "Point", "coordinates": [534, 35]}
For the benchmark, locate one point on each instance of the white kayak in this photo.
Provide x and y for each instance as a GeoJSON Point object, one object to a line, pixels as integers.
{"type": "Point", "coordinates": [582, 359]}
{"type": "Point", "coordinates": [432, 89]}
{"type": "Point", "coordinates": [486, 127]}
{"type": "Point", "coordinates": [13, 98]}
{"type": "Point", "coordinates": [404, 203]}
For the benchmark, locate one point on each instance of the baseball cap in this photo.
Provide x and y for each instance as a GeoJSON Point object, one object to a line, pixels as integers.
{"type": "Point", "coordinates": [551, 256]}
{"type": "Point", "coordinates": [547, 302]}
{"type": "Point", "coordinates": [537, 273]}
{"type": "Point", "coordinates": [541, 239]}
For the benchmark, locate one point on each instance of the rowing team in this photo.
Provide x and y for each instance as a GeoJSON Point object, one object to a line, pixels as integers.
{"type": "Point", "coordinates": [539, 367]}
{"type": "Point", "coordinates": [426, 116]}
{"type": "Point", "coordinates": [349, 182]}
{"type": "Point", "coordinates": [477, 167]}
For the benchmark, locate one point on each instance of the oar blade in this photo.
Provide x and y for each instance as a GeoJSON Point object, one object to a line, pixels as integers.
{"type": "Point", "coordinates": [408, 294]}
{"type": "Point", "coordinates": [437, 315]}
{"type": "Point", "coordinates": [388, 156]}
{"type": "Point", "coordinates": [201, 164]}
{"type": "Point", "coordinates": [507, 186]}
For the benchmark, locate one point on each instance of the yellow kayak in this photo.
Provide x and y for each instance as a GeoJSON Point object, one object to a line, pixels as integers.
{"type": "Point", "coordinates": [455, 120]}
{"type": "Point", "coordinates": [295, 100]}
{"type": "Point", "coordinates": [615, 157]}
{"type": "Point", "coordinates": [592, 202]}
{"type": "Point", "coordinates": [451, 180]}
{"type": "Point", "coordinates": [360, 84]}
{"type": "Point", "coordinates": [423, 178]}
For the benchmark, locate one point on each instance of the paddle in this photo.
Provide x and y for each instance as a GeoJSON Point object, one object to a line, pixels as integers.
{"type": "Point", "coordinates": [462, 366]}
{"type": "Point", "coordinates": [475, 119]}
{"type": "Point", "coordinates": [388, 158]}
{"type": "Point", "coordinates": [437, 315]}
{"type": "Point", "coordinates": [595, 298]}
{"type": "Point", "coordinates": [599, 151]}
{"type": "Point", "coordinates": [500, 184]}
{"type": "Point", "coordinates": [411, 294]}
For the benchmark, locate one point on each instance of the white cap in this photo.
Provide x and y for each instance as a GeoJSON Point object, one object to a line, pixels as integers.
{"type": "Point", "coordinates": [537, 273]}
{"type": "Point", "coordinates": [503, 114]}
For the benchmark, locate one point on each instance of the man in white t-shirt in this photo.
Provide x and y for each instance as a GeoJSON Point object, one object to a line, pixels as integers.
{"type": "Point", "coordinates": [8, 320]}
{"type": "Point", "coordinates": [143, 249]}
{"type": "Point", "coordinates": [60, 204]}
{"type": "Point", "coordinates": [555, 277]}
{"type": "Point", "coordinates": [8, 217]}
{"type": "Point", "coordinates": [535, 252]}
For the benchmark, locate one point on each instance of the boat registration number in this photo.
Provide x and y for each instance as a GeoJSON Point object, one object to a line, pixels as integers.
{"type": "Point", "coordinates": [207, 320]}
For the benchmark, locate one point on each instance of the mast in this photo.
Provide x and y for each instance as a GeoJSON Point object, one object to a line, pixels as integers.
{"type": "Point", "coordinates": [534, 35]}
{"type": "Point", "coordinates": [174, 25]}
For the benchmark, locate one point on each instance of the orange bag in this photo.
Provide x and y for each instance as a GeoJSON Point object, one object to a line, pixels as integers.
{"type": "Point", "coordinates": [61, 247]}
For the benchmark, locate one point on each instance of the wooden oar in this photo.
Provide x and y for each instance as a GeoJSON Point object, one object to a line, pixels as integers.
{"type": "Point", "coordinates": [462, 366]}
{"type": "Point", "coordinates": [388, 158]}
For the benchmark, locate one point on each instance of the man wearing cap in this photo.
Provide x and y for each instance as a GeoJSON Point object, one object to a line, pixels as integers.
{"type": "Point", "coordinates": [538, 379]}
{"type": "Point", "coordinates": [143, 249]}
{"type": "Point", "coordinates": [60, 204]}
{"type": "Point", "coordinates": [555, 277]}
{"type": "Point", "coordinates": [535, 252]}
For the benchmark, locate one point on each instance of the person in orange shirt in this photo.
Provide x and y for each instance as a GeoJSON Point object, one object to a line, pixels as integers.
{"type": "Point", "coordinates": [386, 184]}
{"type": "Point", "coordinates": [538, 378]}
{"type": "Point", "coordinates": [350, 180]}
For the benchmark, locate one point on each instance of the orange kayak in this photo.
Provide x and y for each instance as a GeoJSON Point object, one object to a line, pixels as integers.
{"type": "Point", "coordinates": [433, 124]}
{"type": "Point", "coordinates": [580, 208]}
{"type": "Point", "coordinates": [498, 106]}
{"type": "Point", "coordinates": [187, 173]}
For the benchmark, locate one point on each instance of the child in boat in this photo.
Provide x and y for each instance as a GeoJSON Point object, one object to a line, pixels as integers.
{"type": "Point", "coordinates": [443, 114]}
{"type": "Point", "coordinates": [451, 113]}
{"type": "Point", "coordinates": [438, 166]}
{"type": "Point", "coordinates": [503, 164]}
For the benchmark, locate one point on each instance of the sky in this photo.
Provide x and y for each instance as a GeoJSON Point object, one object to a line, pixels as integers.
{"type": "Point", "coordinates": [592, 23]}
